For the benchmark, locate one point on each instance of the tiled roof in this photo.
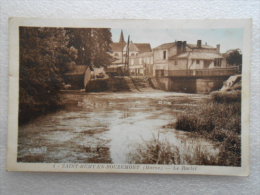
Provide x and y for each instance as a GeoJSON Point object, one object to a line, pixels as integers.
{"type": "Point", "coordinates": [117, 47]}
{"type": "Point", "coordinates": [133, 47]}
{"type": "Point", "coordinates": [165, 46]}
{"type": "Point", "coordinates": [143, 47]}
{"type": "Point", "coordinates": [139, 47]}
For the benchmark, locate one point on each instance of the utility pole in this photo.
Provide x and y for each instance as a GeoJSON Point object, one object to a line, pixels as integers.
{"type": "Point", "coordinates": [127, 57]}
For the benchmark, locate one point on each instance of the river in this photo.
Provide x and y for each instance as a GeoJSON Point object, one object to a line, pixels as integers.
{"type": "Point", "coordinates": [107, 127]}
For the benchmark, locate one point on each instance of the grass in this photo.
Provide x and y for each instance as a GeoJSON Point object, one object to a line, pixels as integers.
{"type": "Point", "coordinates": [219, 120]}
{"type": "Point", "coordinates": [156, 151]}
{"type": "Point", "coordinates": [226, 96]}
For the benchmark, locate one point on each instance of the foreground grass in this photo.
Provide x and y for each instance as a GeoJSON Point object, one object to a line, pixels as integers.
{"type": "Point", "coordinates": [218, 120]}
{"type": "Point", "coordinates": [156, 151]}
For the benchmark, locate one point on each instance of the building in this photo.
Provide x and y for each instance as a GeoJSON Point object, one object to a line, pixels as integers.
{"type": "Point", "coordinates": [179, 55]}
{"type": "Point", "coordinates": [141, 64]}
{"type": "Point", "coordinates": [120, 50]}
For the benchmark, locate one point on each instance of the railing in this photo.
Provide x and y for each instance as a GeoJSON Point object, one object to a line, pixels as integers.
{"type": "Point", "coordinates": [198, 72]}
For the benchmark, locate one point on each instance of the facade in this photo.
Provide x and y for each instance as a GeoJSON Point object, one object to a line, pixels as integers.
{"type": "Point", "coordinates": [179, 55]}
{"type": "Point", "coordinates": [141, 64]}
{"type": "Point", "coordinates": [168, 58]}
{"type": "Point", "coordinates": [120, 50]}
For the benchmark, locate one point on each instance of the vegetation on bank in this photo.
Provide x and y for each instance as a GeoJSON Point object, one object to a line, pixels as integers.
{"type": "Point", "coordinates": [218, 120]}
{"type": "Point", "coordinates": [158, 151]}
{"type": "Point", "coordinates": [46, 54]}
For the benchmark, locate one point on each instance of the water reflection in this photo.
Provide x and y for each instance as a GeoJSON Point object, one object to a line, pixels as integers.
{"type": "Point", "coordinates": [106, 127]}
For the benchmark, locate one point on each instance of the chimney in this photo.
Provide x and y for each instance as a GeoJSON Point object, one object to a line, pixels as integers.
{"type": "Point", "coordinates": [199, 43]}
{"type": "Point", "coordinates": [218, 48]}
{"type": "Point", "coordinates": [179, 47]}
{"type": "Point", "coordinates": [184, 43]}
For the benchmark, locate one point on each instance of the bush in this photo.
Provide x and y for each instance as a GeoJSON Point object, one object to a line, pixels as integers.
{"type": "Point", "coordinates": [226, 97]}
{"type": "Point", "coordinates": [194, 123]}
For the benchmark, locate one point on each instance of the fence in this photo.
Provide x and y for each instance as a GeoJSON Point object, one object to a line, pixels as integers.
{"type": "Point", "coordinates": [198, 72]}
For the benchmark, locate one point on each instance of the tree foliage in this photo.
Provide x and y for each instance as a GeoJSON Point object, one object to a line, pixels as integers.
{"type": "Point", "coordinates": [92, 45]}
{"type": "Point", "coordinates": [45, 55]}
{"type": "Point", "coordinates": [234, 57]}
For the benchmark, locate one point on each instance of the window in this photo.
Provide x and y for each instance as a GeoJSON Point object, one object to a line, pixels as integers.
{"type": "Point", "coordinates": [217, 62]}
{"type": "Point", "coordinates": [116, 54]}
{"type": "Point", "coordinates": [206, 63]}
{"type": "Point", "coordinates": [197, 61]}
{"type": "Point", "coordinates": [164, 55]}
{"type": "Point", "coordinates": [132, 54]}
{"type": "Point", "coordinates": [175, 62]}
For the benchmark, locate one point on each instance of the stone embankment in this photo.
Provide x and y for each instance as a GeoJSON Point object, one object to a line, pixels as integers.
{"type": "Point", "coordinates": [114, 84]}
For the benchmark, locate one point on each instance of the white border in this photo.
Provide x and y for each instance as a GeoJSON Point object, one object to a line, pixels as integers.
{"type": "Point", "coordinates": [14, 24]}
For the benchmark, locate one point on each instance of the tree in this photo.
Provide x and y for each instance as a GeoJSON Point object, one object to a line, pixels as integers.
{"type": "Point", "coordinates": [44, 53]}
{"type": "Point", "coordinates": [234, 57]}
{"type": "Point", "coordinates": [92, 45]}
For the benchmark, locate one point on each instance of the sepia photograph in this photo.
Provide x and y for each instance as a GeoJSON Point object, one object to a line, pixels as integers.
{"type": "Point", "coordinates": [129, 96]}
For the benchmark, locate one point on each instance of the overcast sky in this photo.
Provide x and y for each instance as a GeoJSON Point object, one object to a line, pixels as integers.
{"type": "Point", "coordinates": [228, 38]}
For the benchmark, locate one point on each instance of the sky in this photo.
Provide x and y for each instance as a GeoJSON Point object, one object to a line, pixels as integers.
{"type": "Point", "coordinates": [228, 38]}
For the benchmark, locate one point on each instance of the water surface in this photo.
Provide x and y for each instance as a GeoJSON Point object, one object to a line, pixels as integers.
{"type": "Point", "coordinates": [106, 127]}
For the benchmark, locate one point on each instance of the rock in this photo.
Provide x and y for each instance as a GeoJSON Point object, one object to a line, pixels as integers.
{"type": "Point", "coordinates": [233, 83]}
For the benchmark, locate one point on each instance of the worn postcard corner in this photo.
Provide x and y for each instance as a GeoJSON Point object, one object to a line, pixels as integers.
{"type": "Point", "coordinates": [129, 96]}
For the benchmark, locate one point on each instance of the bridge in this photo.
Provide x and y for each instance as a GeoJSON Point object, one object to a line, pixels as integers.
{"type": "Point", "coordinates": [213, 72]}
{"type": "Point", "coordinates": [193, 80]}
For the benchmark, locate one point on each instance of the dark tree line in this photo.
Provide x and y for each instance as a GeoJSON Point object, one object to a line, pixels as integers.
{"type": "Point", "coordinates": [92, 45]}
{"type": "Point", "coordinates": [45, 55]}
{"type": "Point", "coordinates": [234, 57]}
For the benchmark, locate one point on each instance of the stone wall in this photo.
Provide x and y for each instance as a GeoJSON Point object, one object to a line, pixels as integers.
{"type": "Point", "coordinates": [188, 85]}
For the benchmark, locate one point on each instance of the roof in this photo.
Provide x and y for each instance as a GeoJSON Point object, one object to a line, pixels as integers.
{"type": "Point", "coordinates": [143, 47]}
{"type": "Point", "coordinates": [198, 55]}
{"type": "Point", "coordinates": [193, 46]}
{"type": "Point", "coordinates": [139, 47]}
{"type": "Point", "coordinates": [117, 47]}
{"type": "Point", "coordinates": [165, 46]}
{"type": "Point", "coordinates": [133, 47]}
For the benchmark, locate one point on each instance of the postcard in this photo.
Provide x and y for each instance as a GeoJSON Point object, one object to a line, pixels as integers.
{"type": "Point", "coordinates": [129, 96]}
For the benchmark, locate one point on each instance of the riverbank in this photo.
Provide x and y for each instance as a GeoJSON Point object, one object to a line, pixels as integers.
{"type": "Point", "coordinates": [217, 119]}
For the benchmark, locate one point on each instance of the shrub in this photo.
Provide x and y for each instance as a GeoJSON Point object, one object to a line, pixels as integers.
{"type": "Point", "coordinates": [194, 123]}
{"type": "Point", "coordinates": [226, 97]}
